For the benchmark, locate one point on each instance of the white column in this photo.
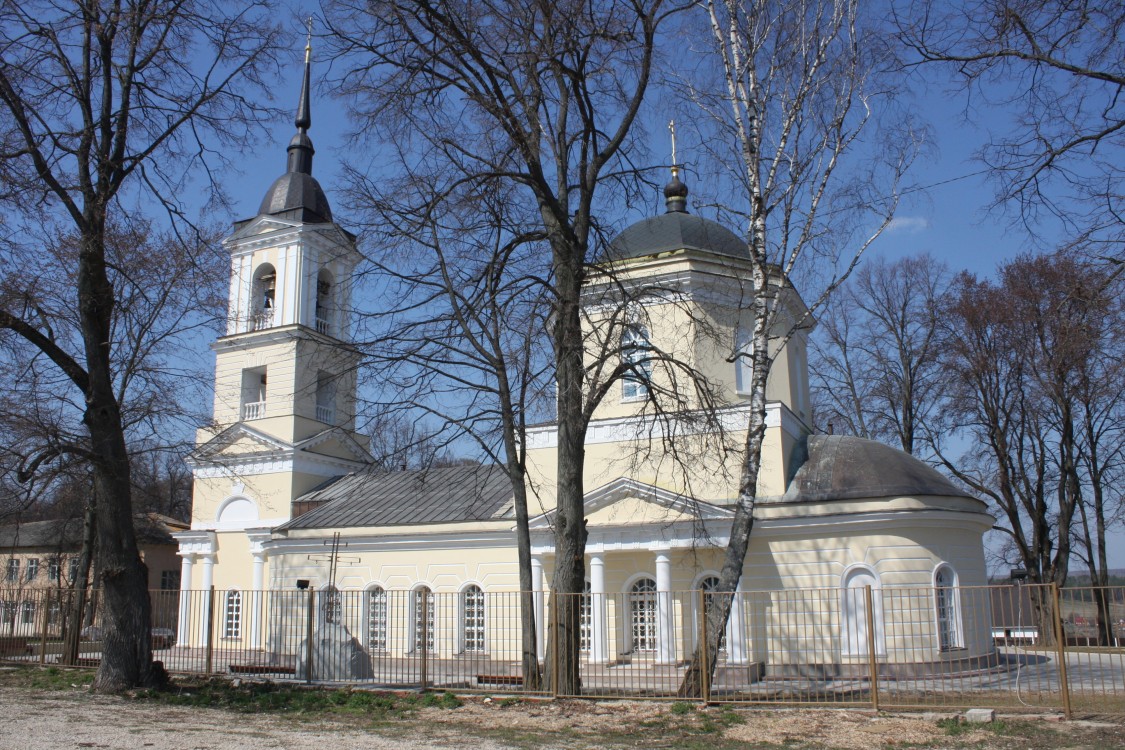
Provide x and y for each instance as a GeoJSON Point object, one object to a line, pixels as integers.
{"type": "Point", "coordinates": [665, 615]}
{"type": "Point", "coordinates": [259, 583]}
{"type": "Point", "coordinates": [736, 630]}
{"type": "Point", "coordinates": [208, 581]}
{"type": "Point", "coordinates": [183, 625]}
{"type": "Point", "coordinates": [599, 651]}
{"type": "Point", "coordinates": [537, 597]}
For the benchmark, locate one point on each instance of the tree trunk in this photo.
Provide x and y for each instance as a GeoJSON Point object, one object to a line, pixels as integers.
{"type": "Point", "coordinates": [79, 586]}
{"type": "Point", "coordinates": [123, 577]}
{"type": "Point", "coordinates": [564, 641]}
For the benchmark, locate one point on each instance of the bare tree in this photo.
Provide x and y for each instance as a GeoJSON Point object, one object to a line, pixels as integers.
{"type": "Point", "coordinates": [105, 102]}
{"type": "Point", "coordinates": [876, 360]}
{"type": "Point", "coordinates": [799, 101]}
{"type": "Point", "coordinates": [1057, 65]}
{"type": "Point", "coordinates": [1026, 362]}
{"type": "Point", "coordinates": [538, 98]}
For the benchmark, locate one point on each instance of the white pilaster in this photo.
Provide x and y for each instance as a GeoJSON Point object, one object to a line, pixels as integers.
{"type": "Point", "coordinates": [599, 651]}
{"type": "Point", "coordinates": [207, 583]}
{"type": "Point", "coordinates": [256, 594]}
{"type": "Point", "coordinates": [183, 624]}
{"type": "Point", "coordinates": [736, 631]}
{"type": "Point", "coordinates": [665, 616]}
{"type": "Point", "coordinates": [537, 598]}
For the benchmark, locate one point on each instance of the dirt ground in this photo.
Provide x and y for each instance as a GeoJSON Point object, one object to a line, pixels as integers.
{"type": "Point", "coordinates": [37, 719]}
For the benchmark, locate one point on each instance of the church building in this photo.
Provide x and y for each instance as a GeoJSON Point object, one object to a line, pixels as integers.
{"type": "Point", "coordinates": [281, 471]}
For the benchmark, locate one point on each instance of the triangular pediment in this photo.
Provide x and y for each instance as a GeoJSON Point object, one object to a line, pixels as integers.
{"type": "Point", "coordinates": [238, 441]}
{"type": "Point", "coordinates": [248, 231]}
{"type": "Point", "coordinates": [627, 502]}
{"type": "Point", "coordinates": [336, 443]}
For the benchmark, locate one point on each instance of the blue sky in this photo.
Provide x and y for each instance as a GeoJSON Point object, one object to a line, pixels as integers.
{"type": "Point", "coordinates": [949, 217]}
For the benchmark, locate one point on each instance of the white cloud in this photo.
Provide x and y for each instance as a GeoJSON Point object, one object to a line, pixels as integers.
{"type": "Point", "coordinates": [908, 224]}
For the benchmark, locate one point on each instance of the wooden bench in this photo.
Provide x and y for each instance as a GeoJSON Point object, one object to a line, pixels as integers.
{"type": "Point", "coordinates": [253, 669]}
{"type": "Point", "coordinates": [14, 645]}
{"type": "Point", "coordinates": [508, 680]}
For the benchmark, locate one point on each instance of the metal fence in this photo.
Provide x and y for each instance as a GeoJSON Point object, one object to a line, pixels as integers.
{"type": "Point", "coordinates": [1005, 646]}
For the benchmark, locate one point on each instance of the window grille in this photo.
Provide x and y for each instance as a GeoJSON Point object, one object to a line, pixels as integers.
{"type": "Point", "coordinates": [377, 619]}
{"type": "Point", "coordinates": [232, 623]}
{"type": "Point", "coordinates": [423, 594]}
{"type": "Point", "coordinates": [635, 357]}
{"type": "Point", "coordinates": [642, 615]}
{"type": "Point", "coordinates": [472, 613]}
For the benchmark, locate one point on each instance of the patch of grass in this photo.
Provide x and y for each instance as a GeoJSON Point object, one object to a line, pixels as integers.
{"type": "Point", "coordinates": [509, 702]}
{"type": "Point", "coordinates": [254, 697]}
{"type": "Point", "coordinates": [46, 678]}
{"type": "Point", "coordinates": [441, 700]}
{"type": "Point", "coordinates": [680, 708]}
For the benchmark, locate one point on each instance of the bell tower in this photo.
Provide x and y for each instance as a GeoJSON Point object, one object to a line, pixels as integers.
{"type": "Point", "coordinates": [285, 375]}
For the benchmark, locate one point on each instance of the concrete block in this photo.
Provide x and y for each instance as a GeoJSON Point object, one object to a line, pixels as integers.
{"type": "Point", "coordinates": [980, 716]}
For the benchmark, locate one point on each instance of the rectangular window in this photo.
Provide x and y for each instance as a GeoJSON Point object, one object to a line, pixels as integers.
{"type": "Point", "coordinates": [13, 570]}
{"type": "Point", "coordinates": [254, 393]}
{"type": "Point", "coordinates": [54, 570]}
{"type": "Point", "coordinates": [32, 568]}
{"type": "Point", "coordinates": [169, 580]}
{"type": "Point", "coordinates": [325, 397]}
{"type": "Point", "coordinates": [72, 570]}
{"type": "Point", "coordinates": [636, 361]}
{"type": "Point", "coordinates": [27, 613]}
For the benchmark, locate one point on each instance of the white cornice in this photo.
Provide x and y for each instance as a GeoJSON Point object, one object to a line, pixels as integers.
{"type": "Point", "coordinates": [393, 542]}
{"type": "Point", "coordinates": [716, 534]}
{"type": "Point", "coordinates": [195, 542]}
{"type": "Point", "coordinates": [648, 427]}
{"type": "Point", "coordinates": [246, 525]}
{"type": "Point", "coordinates": [625, 488]}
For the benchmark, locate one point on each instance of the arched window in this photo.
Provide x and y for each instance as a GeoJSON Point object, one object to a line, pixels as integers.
{"type": "Point", "coordinates": [264, 297]}
{"type": "Point", "coordinates": [947, 608]}
{"type": "Point", "coordinates": [377, 618]}
{"type": "Point", "coordinates": [636, 357]}
{"type": "Point", "coordinates": [585, 617]}
{"type": "Point", "coordinates": [709, 585]}
{"type": "Point", "coordinates": [232, 622]}
{"type": "Point", "coordinates": [642, 615]}
{"type": "Point", "coordinates": [853, 612]}
{"type": "Point", "coordinates": [324, 306]}
{"type": "Point", "coordinates": [472, 618]}
{"type": "Point", "coordinates": [422, 606]}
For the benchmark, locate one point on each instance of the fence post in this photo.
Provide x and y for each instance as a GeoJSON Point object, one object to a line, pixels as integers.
{"type": "Point", "coordinates": [704, 674]}
{"type": "Point", "coordinates": [1060, 646]}
{"type": "Point", "coordinates": [424, 642]}
{"type": "Point", "coordinates": [553, 642]}
{"type": "Point", "coordinates": [46, 624]}
{"type": "Point", "coordinates": [310, 616]}
{"type": "Point", "coordinates": [872, 662]}
{"type": "Point", "coordinates": [209, 632]}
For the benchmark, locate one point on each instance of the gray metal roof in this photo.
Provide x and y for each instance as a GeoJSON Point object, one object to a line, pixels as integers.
{"type": "Point", "coordinates": [374, 498]}
{"type": "Point", "coordinates": [676, 230]}
{"type": "Point", "coordinates": [66, 534]}
{"type": "Point", "coordinates": [842, 467]}
{"type": "Point", "coordinates": [297, 196]}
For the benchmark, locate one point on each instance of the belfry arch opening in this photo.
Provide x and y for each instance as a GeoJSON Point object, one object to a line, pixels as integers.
{"type": "Point", "coordinates": [263, 299]}
{"type": "Point", "coordinates": [323, 314]}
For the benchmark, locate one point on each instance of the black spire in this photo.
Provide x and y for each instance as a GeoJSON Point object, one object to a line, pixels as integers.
{"type": "Point", "coordinates": [296, 194]}
{"type": "Point", "coordinates": [301, 148]}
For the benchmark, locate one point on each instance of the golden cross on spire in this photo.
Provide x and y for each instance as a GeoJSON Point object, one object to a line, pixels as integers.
{"type": "Point", "coordinates": [308, 42]}
{"type": "Point", "coordinates": [672, 130]}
